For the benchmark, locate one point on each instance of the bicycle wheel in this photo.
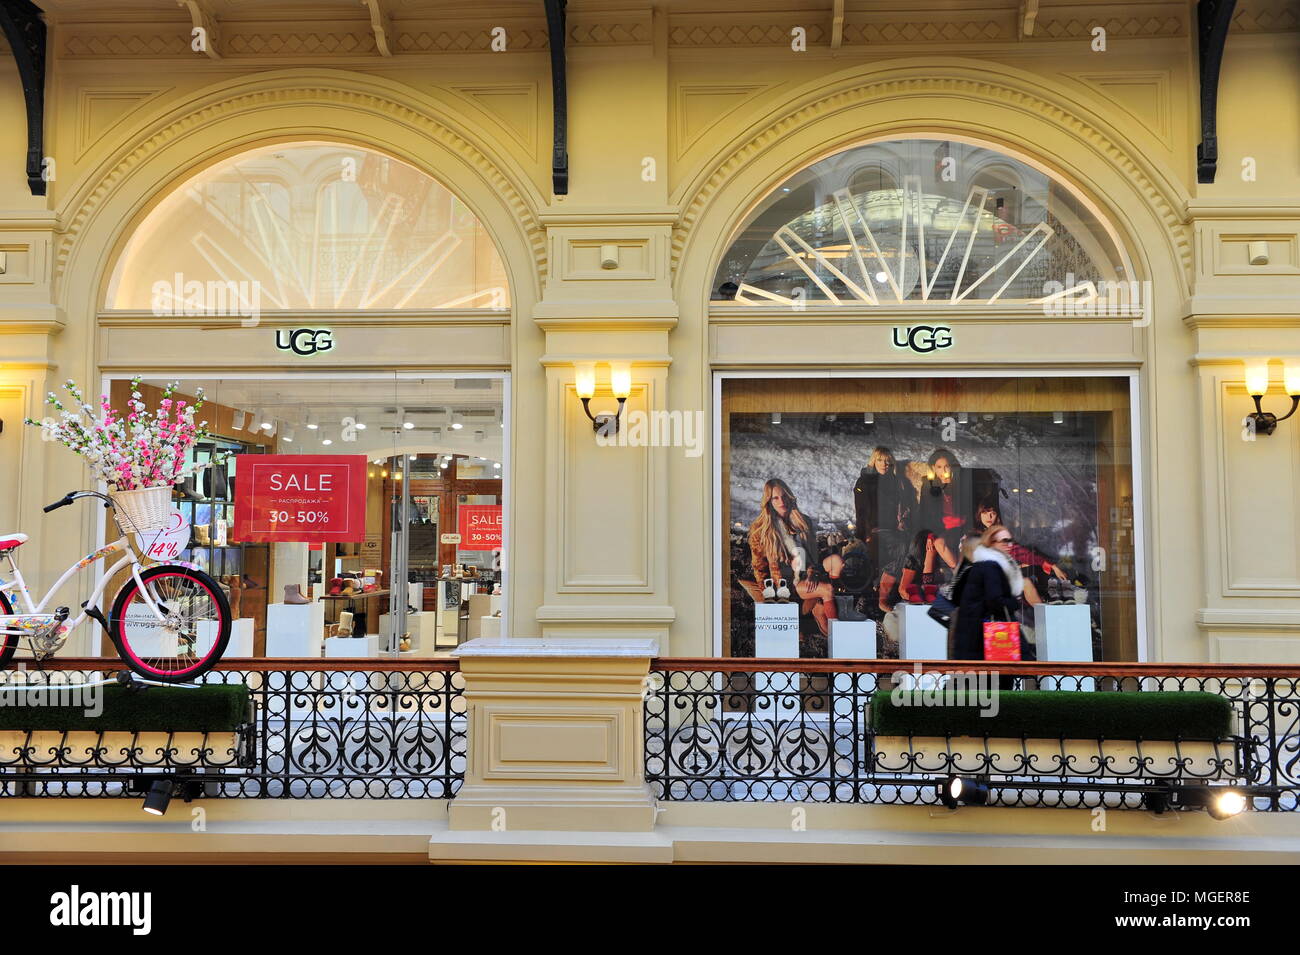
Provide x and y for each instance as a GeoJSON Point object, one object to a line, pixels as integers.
{"type": "Point", "coordinates": [190, 638]}
{"type": "Point", "coordinates": [8, 641]}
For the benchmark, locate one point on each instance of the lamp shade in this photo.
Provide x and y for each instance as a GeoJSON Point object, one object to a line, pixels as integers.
{"type": "Point", "coordinates": [620, 378]}
{"type": "Point", "coordinates": [1257, 377]}
{"type": "Point", "coordinates": [1292, 376]}
{"type": "Point", "coordinates": [584, 378]}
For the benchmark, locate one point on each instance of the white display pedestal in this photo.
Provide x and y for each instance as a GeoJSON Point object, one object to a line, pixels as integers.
{"type": "Point", "coordinates": [776, 631]}
{"type": "Point", "coordinates": [920, 637]}
{"type": "Point", "coordinates": [241, 638]}
{"type": "Point", "coordinates": [295, 630]}
{"type": "Point", "coordinates": [776, 636]}
{"type": "Point", "coordinates": [489, 626]}
{"type": "Point", "coordinates": [367, 646]}
{"type": "Point", "coordinates": [853, 640]}
{"type": "Point", "coordinates": [415, 596]}
{"type": "Point", "coordinates": [1063, 633]}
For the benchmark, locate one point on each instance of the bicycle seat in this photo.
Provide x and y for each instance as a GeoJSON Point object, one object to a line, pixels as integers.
{"type": "Point", "coordinates": [9, 542]}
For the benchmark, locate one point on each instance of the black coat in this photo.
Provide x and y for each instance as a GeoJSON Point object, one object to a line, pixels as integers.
{"type": "Point", "coordinates": [879, 502]}
{"type": "Point", "coordinates": [983, 594]}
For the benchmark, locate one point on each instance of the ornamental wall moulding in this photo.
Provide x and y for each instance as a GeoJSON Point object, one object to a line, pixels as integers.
{"type": "Point", "coordinates": [710, 31]}
{"type": "Point", "coordinates": [1160, 192]}
{"type": "Point", "coordinates": [1266, 16]}
{"type": "Point", "coordinates": [212, 107]}
{"type": "Point", "coordinates": [246, 39]}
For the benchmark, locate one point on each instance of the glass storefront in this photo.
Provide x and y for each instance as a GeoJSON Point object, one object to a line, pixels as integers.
{"type": "Point", "coordinates": [846, 502]}
{"type": "Point", "coordinates": [431, 448]}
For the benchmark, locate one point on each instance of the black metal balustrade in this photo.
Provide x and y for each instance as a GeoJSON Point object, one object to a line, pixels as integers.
{"type": "Point", "coordinates": [750, 730]}
{"type": "Point", "coordinates": [319, 729]}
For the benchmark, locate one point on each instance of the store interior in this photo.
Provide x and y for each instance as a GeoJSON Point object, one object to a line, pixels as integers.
{"type": "Point", "coordinates": [434, 446]}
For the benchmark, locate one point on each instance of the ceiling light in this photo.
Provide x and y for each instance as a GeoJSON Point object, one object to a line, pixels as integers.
{"type": "Point", "coordinates": [776, 417]}
{"type": "Point", "coordinates": [358, 423]}
{"type": "Point", "coordinates": [868, 418]}
{"type": "Point", "coordinates": [406, 423]}
{"type": "Point", "coordinates": [238, 419]}
{"type": "Point", "coordinates": [1058, 417]}
{"type": "Point", "coordinates": [312, 425]}
{"type": "Point", "coordinates": [288, 433]}
{"type": "Point", "coordinates": [262, 420]}
{"type": "Point", "coordinates": [497, 465]}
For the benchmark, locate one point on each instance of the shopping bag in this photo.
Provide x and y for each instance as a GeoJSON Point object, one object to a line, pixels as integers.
{"type": "Point", "coordinates": [1001, 640]}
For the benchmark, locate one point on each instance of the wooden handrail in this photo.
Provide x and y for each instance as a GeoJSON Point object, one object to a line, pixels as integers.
{"type": "Point", "coordinates": [272, 664]}
{"type": "Point", "coordinates": [1114, 669]}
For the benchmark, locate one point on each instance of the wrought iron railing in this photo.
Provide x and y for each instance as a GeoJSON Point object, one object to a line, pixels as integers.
{"type": "Point", "coordinates": [322, 729]}
{"type": "Point", "coordinates": [799, 730]}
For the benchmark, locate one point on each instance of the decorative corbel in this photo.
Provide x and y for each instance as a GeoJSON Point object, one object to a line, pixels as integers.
{"type": "Point", "coordinates": [25, 31]}
{"type": "Point", "coordinates": [1213, 17]}
{"type": "Point", "coordinates": [381, 24]}
{"type": "Point", "coordinates": [837, 24]}
{"type": "Point", "coordinates": [201, 19]}
{"type": "Point", "coordinates": [1028, 14]}
{"type": "Point", "coordinates": [557, 34]}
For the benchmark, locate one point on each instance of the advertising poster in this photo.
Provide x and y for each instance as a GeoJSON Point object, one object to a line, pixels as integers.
{"type": "Point", "coordinates": [302, 498]}
{"type": "Point", "coordinates": [479, 526]}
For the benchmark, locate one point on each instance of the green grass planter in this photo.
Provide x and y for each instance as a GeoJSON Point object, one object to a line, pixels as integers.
{"type": "Point", "coordinates": [1134, 735]}
{"type": "Point", "coordinates": [113, 727]}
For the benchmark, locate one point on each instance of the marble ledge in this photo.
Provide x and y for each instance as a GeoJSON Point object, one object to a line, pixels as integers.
{"type": "Point", "coordinates": [557, 647]}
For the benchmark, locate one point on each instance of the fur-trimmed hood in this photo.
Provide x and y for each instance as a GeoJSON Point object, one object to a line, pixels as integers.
{"type": "Point", "coordinates": [1010, 569]}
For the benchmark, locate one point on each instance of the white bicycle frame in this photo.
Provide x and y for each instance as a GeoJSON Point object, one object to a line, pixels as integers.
{"type": "Point", "coordinates": [18, 586]}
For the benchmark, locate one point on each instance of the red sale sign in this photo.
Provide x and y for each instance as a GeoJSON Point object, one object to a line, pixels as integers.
{"type": "Point", "coordinates": [479, 525]}
{"type": "Point", "coordinates": [302, 498]}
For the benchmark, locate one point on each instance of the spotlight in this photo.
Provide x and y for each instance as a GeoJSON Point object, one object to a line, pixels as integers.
{"type": "Point", "coordinates": [287, 433]}
{"type": "Point", "coordinates": [456, 424]}
{"type": "Point", "coordinates": [479, 436]}
{"type": "Point", "coordinates": [327, 441]}
{"type": "Point", "coordinates": [1221, 802]}
{"type": "Point", "coordinates": [158, 798]}
{"type": "Point", "coordinates": [962, 417]}
{"type": "Point", "coordinates": [238, 419]}
{"type": "Point", "coordinates": [312, 424]}
{"type": "Point", "coordinates": [1226, 803]}
{"type": "Point", "coordinates": [1058, 417]}
{"type": "Point", "coordinates": [443, 465]}
{"type": "Point", "coordinates": [497, 466]}
{"type": "Point", "coordinates": [868, 417]}
{"type": "Point", "coordinates": [358, 423]}
{"type": "Point", "coordinates": [263, 421]}
{"type": "Point", "coordinates": [406, 423]}
{"type": "Point", "coordinates": [963, 790]}
{"type": "Point", "coordinates": [776, 417]}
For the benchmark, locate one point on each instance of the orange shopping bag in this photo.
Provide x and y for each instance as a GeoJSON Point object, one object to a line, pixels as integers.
{"type": "Point", "coordinates": [1001, 640]}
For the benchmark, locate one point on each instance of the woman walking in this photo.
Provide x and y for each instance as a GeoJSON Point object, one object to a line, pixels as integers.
{"type": "Point", "coordinates": [989, 590]}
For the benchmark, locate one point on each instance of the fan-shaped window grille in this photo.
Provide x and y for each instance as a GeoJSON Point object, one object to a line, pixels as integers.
{"type": "Point", "coordinates": [309, 226]}
{"type": "Point", "coordinates": [922, 220]}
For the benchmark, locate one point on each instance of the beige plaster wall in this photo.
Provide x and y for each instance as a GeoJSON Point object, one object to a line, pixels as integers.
{"type": "Point", "coordinates": [621, 542]}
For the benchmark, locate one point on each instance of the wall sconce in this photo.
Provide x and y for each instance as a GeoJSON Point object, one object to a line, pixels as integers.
{"type": "Point", "coordinates": [1257, 386]}
{"type": "Point", "coordinates": [620, 383]}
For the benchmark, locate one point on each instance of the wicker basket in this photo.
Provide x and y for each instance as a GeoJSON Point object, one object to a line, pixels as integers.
{"type": "Point", "coordinates": [146, 509]}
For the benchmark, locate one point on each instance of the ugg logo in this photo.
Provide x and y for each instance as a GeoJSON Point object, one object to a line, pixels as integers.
{"type": "Point", "coordinates": [923, 338]}
{"type": "Point", "coordinates": [304, 341]}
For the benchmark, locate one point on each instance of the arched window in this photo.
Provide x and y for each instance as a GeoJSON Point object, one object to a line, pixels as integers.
{"type": "Point", "coordinates": [309, 226]}
{"type": "Point", "coordinates": [921, 220]}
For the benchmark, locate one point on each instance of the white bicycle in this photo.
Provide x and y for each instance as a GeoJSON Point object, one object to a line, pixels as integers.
{"type": "Point", "coordinates": [170, 623]}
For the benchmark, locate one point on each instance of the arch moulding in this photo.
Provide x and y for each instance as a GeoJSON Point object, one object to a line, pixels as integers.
{"type": "Point", "coordinates": [271, 107]}
{"type": "Point", "coordinates": [996, 104]}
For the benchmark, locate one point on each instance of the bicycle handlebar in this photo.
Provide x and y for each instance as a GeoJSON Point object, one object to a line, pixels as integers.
{"type": "Point", "coordinates": [74, 495]}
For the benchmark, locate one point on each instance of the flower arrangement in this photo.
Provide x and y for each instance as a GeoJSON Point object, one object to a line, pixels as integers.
{"type": "Point", "coordinates": [129, 452]}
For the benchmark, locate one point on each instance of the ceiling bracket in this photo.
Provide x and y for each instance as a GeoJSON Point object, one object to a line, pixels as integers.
{"type": "Point", "coordinates": [556, 33]}
{"type": "Point", "coordinates": [381, 25]}
{"type": "Point", "coordinates": [201, 18]}
{"type": "Point", "coordinates": [25, 31]}
{"type": "Point", "coordinates": [1213, 18]}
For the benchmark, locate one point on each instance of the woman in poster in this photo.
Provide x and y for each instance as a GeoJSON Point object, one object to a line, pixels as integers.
{"type": "Point", "coordinates": [986, 516]}
{"type": "Point", "coordinates": [944, 505]}
{"type": "Point", "coordinates": [882, 508]}
{"type": "Point", "coordinates": [989, 590]}
{"type": "Point", "coordinates": [782, 550]}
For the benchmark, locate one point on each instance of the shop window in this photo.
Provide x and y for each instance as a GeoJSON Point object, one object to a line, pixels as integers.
{"type": "Point", "coordinates": [846, 502]}
{"type": "Point", "coordinates": [920, 220]}
{"type": "Point", "coordinates": [431, 449]}
{"type": "Point", "coordinates": [308, 226]}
